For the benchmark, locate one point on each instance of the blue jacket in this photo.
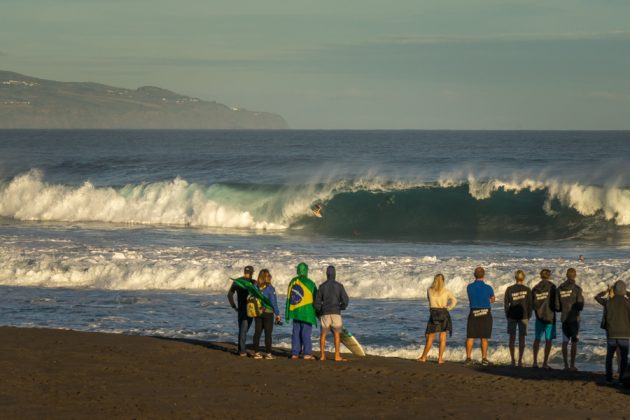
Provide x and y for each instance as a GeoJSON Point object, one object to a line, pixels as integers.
{"type": "Point", "coordinates": [270, 292]}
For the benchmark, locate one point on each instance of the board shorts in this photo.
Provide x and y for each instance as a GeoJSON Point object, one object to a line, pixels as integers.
{"type": "Point", "coordinates": [331, 321]}
{"type": "Point", "coordinates": [514, 324]}
{"type": "Point", "coordinates": [479, 324]}
{"type": "Point", "coordinates": [439, 321]}
{"type": "Point", "coordinates": [570, 331]}
{"type": "Point", "coordinates": [545, 331]}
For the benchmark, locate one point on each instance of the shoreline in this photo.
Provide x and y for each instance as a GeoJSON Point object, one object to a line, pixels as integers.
{"type": "Point", "coordinates": [65, 373]}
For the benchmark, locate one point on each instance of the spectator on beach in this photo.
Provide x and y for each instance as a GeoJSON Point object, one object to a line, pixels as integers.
{"type": "Point", "coordinates": [544, 303]}
{"type": "Point", "coordinates": [299, 308]}
{"type": "Point", "coordinates": [331, 298]}
{"type": "Point", "coordinates": [267, 316]}
{"type": "Point", "coordinates": [616, 322]}
{"type": "Point", "coordinates": [518, 310]}
{"type": "Point", "coordinates": [480, 297]}
{"type": "Point", "coordinates": [570, 303]}
{"type": "Point", "coordinates": [441, 302]}
{"type": "Point", "coordinates": [244, 321]}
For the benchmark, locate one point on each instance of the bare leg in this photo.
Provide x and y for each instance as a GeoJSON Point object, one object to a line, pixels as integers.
{"type": "Point", "coordinates": [442, 347]}
{"type": "Point", "coordinates": [565, 354]}
{"type": "Point", "coordinates": [469, 346]}
{"type": "Point", "coordinates": [338, 357]}
{"type": "Point", "coordinates": [322, 345]}
{"type": "Point", "coordinates": [547, 353]}
{"type": "Point", "coordinates": [511, 344]}
{"type": "Point", "coordinates": [535, 351]}
{"type": "Point", "coordinates": [484, 348]}
{"type": "Point", "coordinates": [573, 354]}
{"type": "Point", "coordinates": [427, 347]}
{"type": "Point", "coordinates": [521, 349]}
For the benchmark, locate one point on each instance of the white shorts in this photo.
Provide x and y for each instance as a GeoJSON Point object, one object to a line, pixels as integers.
{"type": "Point", "coordinates": [331, 321]}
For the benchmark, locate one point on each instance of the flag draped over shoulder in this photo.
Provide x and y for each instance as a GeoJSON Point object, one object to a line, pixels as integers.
{"type": "Point", "coordinates": [300, 297]}
{"type": "Point", "coordinates": [254, 291]}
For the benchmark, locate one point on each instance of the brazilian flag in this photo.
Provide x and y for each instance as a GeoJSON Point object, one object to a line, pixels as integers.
{"type": "Point", "coordinates": [254, 291]}
{"type": "Point", "coordinates": [300, 297]}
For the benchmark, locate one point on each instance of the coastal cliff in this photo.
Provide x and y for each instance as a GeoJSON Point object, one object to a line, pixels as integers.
{"type": "Point", "coordinates": [28, 102]}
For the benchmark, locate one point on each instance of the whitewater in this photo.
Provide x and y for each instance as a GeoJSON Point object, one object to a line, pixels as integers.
{"type": "Point", "coordinates": [139, 232]}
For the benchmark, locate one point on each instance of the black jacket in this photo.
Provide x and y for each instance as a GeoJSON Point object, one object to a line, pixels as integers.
{"type": "Point", "coordinates": [543, 301]}
{"type": "Point", "coordinates": [331, 296]}
{"type": "Point", "coordinates": [616, 315]}
{"type": "Point", "coordinates": [518, 302]}
{"type": "Point", "coordinates": [241, 298]}
{"type": "Point", "coordinates": [569, 301]}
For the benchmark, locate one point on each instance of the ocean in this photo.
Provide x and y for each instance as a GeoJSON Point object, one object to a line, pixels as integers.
{"type": "Point", "coordinates": [139, 232]}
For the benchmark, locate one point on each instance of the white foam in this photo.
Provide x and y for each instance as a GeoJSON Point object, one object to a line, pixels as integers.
{"type": "Point", "coordinates": [171, 268]}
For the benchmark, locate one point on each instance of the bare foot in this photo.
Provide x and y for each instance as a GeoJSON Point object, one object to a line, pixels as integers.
{"type": "Point", "coordinates": [340, 359]}
{"type": "Point", "coordinates": [440, 362]}
{"type": "Point", "coordinates": [322, 357]}
{"type": "Point", "coordinates": [421, 359]}
{"type": "Point", "coordinates": [547, 367]}
{"type": "Point", "coordinates": [309, 357]}
{"type": "Point", "coordinates": [295, 357]}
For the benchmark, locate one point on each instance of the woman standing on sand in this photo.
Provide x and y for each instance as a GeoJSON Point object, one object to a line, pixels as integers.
{"type": "Point", "coordinates": [441, 301]}
{"type": "Point", "coordinates": [266, 319]}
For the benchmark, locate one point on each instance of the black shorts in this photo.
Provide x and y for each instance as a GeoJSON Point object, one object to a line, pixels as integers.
{"type": "Point", "coordinates": [479, 324]}
{"type": "Point", "coordinates": [570, 331]}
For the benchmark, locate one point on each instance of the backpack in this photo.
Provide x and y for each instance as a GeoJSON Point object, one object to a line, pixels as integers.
{"type": "Point", "coordinates": [254, 307]}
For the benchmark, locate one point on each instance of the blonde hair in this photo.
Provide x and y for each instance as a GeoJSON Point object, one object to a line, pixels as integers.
{"type": "Point", "coordinates": [438, 282]}
{"type": "Point", "coordinates": [519, 276]}
{"type": "Point", "coordinates": [264, 278]}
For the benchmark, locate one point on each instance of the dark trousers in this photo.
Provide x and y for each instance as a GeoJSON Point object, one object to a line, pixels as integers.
{"type": "Point", "coordinates": [265, 321]}
{"type": "Point", "coordinates": [614, 344]}
{"type": "Point", "coordinates": [244, 322]}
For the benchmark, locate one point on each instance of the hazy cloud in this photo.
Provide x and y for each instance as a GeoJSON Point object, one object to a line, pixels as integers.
{"type": "Point", "coordinates": [616, 96]}
{"type": "Point", "coordinates": [427, 39]}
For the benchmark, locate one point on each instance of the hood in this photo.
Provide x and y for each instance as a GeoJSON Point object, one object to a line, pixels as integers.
{"type": "Point", "coordinates": [331, 273]}
{"type": "Point", "coordinates": [302, 269]}
{"type": "Point", "coordinates": [619, 288]}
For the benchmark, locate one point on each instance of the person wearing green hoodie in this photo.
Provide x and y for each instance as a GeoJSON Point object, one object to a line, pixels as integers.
{"type": "Point", "coordinates": [300, 309]}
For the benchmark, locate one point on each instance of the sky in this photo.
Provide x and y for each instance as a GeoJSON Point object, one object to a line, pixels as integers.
{"type": "Point", "coordinates": [364, 64]}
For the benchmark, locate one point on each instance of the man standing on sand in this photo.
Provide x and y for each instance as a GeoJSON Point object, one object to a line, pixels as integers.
{"type": "Point", "coordinates": [330, 300]}
{"type": "Point", "coordinates": [518, 310]}
{"type": "Point", "coordinates": [544, 303]}
{"type": "Point", "coordinates": [244, 322]}
{"type": "Point", "coordinates": [481, 297]}
{"type": "Point", "coordinates": [299, 308]}
{"type": "Point", "coordinates": [570, 302]}
{"type": "Point", "coordinates": [616, 322]}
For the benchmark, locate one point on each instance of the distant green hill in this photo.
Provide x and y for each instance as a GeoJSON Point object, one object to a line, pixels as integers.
{"type": "Point", "coordinates": [27, 102]}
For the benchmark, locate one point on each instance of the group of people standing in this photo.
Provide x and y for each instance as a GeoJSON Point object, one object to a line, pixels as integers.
{"type": "Point", "coordinates": [544, 300]}
{"type": "Point", "coordinates": [306, 304]}
{"type": "Point", "coordinates": [256, 301]}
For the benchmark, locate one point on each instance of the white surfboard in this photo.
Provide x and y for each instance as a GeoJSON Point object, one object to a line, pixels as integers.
{"type": "Point", "coordinates": [351, 343]}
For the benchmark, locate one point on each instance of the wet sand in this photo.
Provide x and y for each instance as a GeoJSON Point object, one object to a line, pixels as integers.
{"type": "Point", "coordinates": [68, 374]}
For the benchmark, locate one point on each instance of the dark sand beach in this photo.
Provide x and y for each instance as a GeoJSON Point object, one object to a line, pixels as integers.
{"type": "Point", "coordinates": [68, 374]}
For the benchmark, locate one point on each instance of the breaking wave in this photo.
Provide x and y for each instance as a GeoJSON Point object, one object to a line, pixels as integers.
{"type": "Point", "coordinates": [447, 209]}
